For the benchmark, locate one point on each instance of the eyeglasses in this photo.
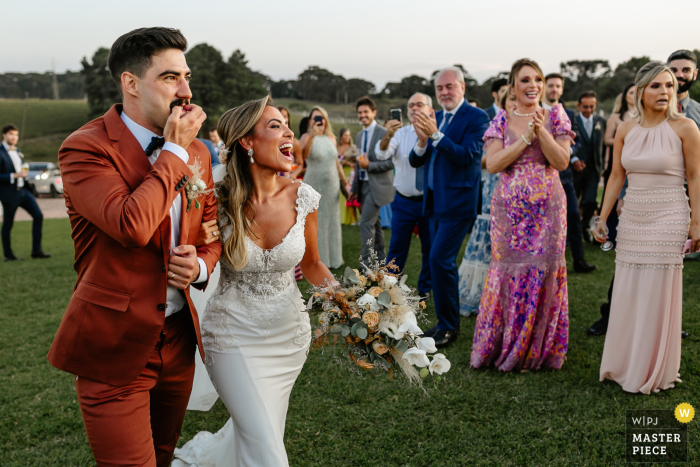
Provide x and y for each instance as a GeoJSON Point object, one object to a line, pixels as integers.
{"type": "Point", "coordinates": [417, 105]}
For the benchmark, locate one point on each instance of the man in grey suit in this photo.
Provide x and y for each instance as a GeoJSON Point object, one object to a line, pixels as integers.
{"type": "Point", "coordinates": [373, 184]}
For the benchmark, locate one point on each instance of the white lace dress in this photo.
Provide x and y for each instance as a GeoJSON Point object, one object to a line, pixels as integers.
{"type": "Point", "coordinates": [256, 334]}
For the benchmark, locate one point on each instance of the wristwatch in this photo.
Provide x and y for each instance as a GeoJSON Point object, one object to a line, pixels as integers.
{"type": "Point", "coordinates": [435, 136]}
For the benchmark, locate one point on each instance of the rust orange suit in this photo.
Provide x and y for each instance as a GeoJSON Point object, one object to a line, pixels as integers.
{"type": "Point", "coordinates": [133, 366]}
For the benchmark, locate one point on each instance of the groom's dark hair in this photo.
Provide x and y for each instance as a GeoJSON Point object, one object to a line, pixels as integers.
{"type": "Point", "coordinates": [132, 52]}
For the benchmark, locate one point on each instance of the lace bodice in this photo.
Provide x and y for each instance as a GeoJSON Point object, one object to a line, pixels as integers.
{"type": "Point", "coordinates": [265, 288]}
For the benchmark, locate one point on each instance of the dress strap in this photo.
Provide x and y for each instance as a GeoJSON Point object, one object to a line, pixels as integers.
{"type": "Point", "coordinates": [307, 202]}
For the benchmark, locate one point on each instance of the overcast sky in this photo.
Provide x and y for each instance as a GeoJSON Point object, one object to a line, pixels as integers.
{"type": "Point", "coordinates": [379, 40]}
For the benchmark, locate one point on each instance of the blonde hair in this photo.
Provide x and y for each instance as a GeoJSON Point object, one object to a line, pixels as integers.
{"type": "Point", "coordinates": [645, 76]}
{"type": "Point", "coordinates": [519, 65]}
{"type": "Point", "coordinates": [329, 127]}
{"type": "Point", "coordinates": [234, 191]}
{"type": "Point", "coordinates": [618, 104]}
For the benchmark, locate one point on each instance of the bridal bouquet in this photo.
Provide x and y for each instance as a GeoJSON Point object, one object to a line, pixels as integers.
{"type": "Point", "coordinates": [376, 315]}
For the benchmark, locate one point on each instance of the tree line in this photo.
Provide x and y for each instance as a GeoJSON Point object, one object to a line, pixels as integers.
{"type": "Point", "coordinates": [219, 84]}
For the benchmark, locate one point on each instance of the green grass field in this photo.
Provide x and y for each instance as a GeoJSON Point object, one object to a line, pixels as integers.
{"type": "Point", "coordinates": [486, 418]}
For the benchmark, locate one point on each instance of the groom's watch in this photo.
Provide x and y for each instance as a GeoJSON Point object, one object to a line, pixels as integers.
{"type": "Point", "coordinates": [435, 136]}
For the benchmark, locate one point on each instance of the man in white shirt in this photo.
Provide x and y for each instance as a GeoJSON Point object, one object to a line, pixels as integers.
{"type": "Point", "coordinates": [407, 207]}
{"type": "Point", "coordinates": [15, 194]}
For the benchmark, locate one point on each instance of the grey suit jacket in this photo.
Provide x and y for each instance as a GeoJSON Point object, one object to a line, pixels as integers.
{"type": "Point", "coordinates": [380, 173]}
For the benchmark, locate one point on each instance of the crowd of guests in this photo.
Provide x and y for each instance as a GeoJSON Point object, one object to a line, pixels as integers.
{"type": "Point", "coordinates": [522, 175]}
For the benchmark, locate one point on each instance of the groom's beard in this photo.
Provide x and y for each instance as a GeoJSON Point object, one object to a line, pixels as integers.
{"type": "Point", "coordinates": [684, 85]}
{"type": "Point", "coordinates": [179, 103]}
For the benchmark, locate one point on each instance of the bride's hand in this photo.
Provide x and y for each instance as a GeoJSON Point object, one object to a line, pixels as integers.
{"type": "Point", "coordinates": [208, 233]}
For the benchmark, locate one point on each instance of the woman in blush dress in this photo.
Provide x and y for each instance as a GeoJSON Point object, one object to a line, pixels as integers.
{"type": "Point", "coordinates": [255, 330]}
{"type": "Point", "coordinates": [477, 256]}
{"type": "Point", "coordinates": [523, 321]}
{"type": "Point", "coordinates": [656, 152]}
{"type": "Point", "coordinates": [325, 174]}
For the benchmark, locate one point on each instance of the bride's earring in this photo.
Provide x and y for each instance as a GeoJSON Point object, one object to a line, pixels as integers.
{"type": "Point", "coordinates": [250, 153]}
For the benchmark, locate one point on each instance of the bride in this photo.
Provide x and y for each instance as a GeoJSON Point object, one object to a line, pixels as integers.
{"type": "Point", "coordinates": [255, 330]}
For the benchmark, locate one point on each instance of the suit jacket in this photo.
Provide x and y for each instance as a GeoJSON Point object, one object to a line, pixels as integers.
{"type": "Point", "coordinates": [119, 206]}
{"type": "Point", "coordinates": [213, 151]}
{"type": "Point", "coordinates": [491, 112]}
{"type": "Point", "coordinates": [380, 173]}
{"type": "Point", "coordinates": [8, 190]}
{"type": "Point", "coordinates": [457, 168]}
{"type": "Point", "coordinates": [567, 176]}
{"type": "Point", "coordinates": [590, 149]}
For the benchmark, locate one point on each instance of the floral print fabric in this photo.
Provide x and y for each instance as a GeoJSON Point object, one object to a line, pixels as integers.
{"type": "Point", "coordinates": [523, 320]}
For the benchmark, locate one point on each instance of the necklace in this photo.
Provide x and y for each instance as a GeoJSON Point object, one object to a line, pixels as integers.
{"type": "Point", "coordinates": [523, 115]}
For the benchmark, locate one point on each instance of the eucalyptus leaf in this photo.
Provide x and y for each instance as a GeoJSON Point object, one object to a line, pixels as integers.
{"type": "Point", "coordinates": [350, 276]}
{"type": "Point", "coordinates": [336, 329]}
{"type": "Point", "coordinates": [361, 325]}
{"type": "Point", "coordinates": [403, 279]}
{"type": "Point", "coordinates": [382, 362]}
{"type": "Point", "coordinates": [401, 345]}
{"type": "Point", "coordinates": [424, 372]}
{"type": "Point", "coordinates": [355, 320]}
{"type": "Point", "coordinates": [372, 357]}
{"type": "Point", "coordinates": [384, 299]}
{"type": "Point", "coordinates": [362, 333]}
{"type": "Point", "coordinates": [344, 330]}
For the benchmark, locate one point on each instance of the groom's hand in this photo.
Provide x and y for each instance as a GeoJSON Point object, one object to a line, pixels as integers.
{"type": "Point", "coordinates": [183, 125]}
{"type": "Point", "coordinates": [183, 268]}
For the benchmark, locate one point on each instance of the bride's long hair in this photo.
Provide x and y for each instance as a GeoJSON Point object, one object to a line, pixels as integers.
{"type": "Point", "coordinates": [234, 190]}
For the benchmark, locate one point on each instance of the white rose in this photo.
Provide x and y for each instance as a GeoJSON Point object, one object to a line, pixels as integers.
{"type": "Point", "coordinates": [409, 323]}
{"type": "Point", "coordinates": [440, 364]}
{"type": "Point", "coordinates": [390, 329]}
{"type": "Point", "coordinates": [427, 344]}
{"type": "Point", "coordinates": [194, 188]}
{"type": "Point", "coordinates": [367, 299]}
{"type": "Point", "coordinates": [201, 184]}
{"type": "Point", "coordinates": [416, 357]}
{"type": "Point", "coordinates": [388, 282]}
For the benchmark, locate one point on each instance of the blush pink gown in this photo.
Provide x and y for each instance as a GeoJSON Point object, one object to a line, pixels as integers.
{"type": "Point", "coordinates": [643, 344]}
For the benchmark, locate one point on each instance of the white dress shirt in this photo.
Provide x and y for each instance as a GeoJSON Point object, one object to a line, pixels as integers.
{"type": "Point", "coordinates": [420, 151]}
{"type": "Point", "coordinates": [400, 146]}
{"type": "Point", "coordinates": [370, 133]}
{"type": "Point", "coordinates": [175, 297]}
{"type": "Point", "coordinates": [17, 162]}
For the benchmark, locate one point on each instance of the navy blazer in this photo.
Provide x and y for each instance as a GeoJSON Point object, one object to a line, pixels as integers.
{"type": "Point", "coordinates": [568, 174]}
{"type": "Point", "coordinates": [591, 149]}
{"type": "Point", "coordinates": [457, 168]}
{"type": "Point", "coordinates": [490, 111]}
{"type": "Point", "coordinates": [7, 167]}
{"type": "Point", "coordinates": [213, 151]}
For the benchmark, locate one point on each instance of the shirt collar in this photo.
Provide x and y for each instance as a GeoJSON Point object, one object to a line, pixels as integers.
{"type": "Point", "coordinates": [684, 103]}
{"type": "Point", "coordinates": [6, 146]}
{"type": "Point", "coordinates": [586, 120]}
{"type": "Point", "coordinates": [142, 135]}
{"type": "Point", "coordinates": [496, 108]}
{"type": "Point", "coordinates": [371, 126]}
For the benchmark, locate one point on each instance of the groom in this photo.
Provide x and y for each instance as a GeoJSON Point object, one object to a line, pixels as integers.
{"type": "Point", "coordinates": [130, 329]}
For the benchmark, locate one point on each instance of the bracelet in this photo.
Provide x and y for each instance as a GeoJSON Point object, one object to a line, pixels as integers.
{"type": "Point", "coordinates": [526, 141]}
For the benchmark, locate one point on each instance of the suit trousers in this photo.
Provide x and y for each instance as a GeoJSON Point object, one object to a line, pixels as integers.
{"type": "Point", "coordinates": [573, 218]}
{"type": "Point", "coordinates": [446, 237]}
{"type": "Point", "coordinates": [139, 424]}
{"type": "Point", "coordinates": [370, 225]}
{"type": "Point", "coordinates": [26, 201]}
{"type": "Point", "coordinates": [586, 184]}
{"type": "Point", "coordinates": [407, 213]}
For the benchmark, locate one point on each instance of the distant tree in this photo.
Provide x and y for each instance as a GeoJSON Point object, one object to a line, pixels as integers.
{"type": "Point", "coordinates": [356, 88]}
{"type": "Point", "coordinates": [242, 84]}
{"type": "Point", "coordinates": [318, 84]}
{"type": "Point", "coordinates": [208, 73]}
{"type": "Point", "coordinates": [407, 87]}
{"type": "Point", "coordinates": [100, 88]}
{"type": "Point", "coordinates": [583, 75]}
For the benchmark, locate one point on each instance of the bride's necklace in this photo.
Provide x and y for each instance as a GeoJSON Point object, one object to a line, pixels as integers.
{"type": "Point", "coordinates": [523, 115]}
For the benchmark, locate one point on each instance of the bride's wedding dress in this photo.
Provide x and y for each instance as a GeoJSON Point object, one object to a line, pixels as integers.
{"type": "Point", "coordinates": [256, 334]}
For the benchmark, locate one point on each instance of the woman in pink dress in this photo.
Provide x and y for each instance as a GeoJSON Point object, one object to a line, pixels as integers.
{"type": "Point", "coordinates": [656, 152]}
{"type": "Point", "coordinates": [523, 320]}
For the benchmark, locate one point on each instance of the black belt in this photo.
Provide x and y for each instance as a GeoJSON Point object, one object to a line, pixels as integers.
{"type": "Point", "coordinates": [411, 198]}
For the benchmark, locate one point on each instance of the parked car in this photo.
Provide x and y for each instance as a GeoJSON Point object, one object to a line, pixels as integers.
{"type": "Point", "coordinates": [44, 178]}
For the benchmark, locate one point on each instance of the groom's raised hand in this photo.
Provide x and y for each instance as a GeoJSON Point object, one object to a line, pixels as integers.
{"type": "Point", "coordinates": [183, 267]}
{"type": "Point", "coordinates": [183, 125]}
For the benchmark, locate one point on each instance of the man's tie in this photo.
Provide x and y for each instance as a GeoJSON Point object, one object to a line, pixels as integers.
{"type": "Point", "coordinates": [365, 143]}
{"type": "Point", "coordinates": [589, 126]}
{"type": "Point", "coordinates": [419, 177]}
{"type": "Point", "coordinates": [157, 142]}
{"type": "Point", "coordinates": [443, 129]}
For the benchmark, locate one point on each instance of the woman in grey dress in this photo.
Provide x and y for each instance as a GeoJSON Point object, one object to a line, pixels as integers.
{"type": "Point", "coordinates": [325, 175]}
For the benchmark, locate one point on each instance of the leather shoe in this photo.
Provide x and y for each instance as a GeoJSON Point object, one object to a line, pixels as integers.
{"type": "Point", "coordinates": [40, 255]}
{"type": "Point", "coordinates": [583, 267]}
{"type": "Point", "coordinates": [431, 332]}
{"type": "Point", "coordinates": [12, 258]}
{"type": "Point", "coordinates": [684, 334]}
{"type": "Point", "coordinates": [599, 328]}
{"type": "Point", "coordinates": [445, 337]}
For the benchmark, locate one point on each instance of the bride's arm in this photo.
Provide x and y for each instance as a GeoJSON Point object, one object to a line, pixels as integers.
{"type": "Point", "coordinates": [311, 266]}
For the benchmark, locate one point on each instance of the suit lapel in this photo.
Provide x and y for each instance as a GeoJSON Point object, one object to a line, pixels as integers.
{"type": "Point", "coordinates": [124, 142]}
{"type": "Point", "coordinates": [582, 126]}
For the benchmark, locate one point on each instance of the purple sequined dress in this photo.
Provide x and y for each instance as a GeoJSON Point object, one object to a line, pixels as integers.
{"type": "Point", "coordinates": [523, 320]}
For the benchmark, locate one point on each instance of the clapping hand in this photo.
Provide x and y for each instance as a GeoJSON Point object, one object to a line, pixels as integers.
{"type": "Point", "coordinates": [425, 123]}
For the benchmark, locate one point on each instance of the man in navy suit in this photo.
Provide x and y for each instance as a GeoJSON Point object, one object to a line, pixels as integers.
{"type": "Point", "coordinates": [449, 154]}
{"type": "Point", "coordinates": [14, 193]}
{"type": "Point", "coordinates": [554, 88]}
{"type": "Point", "coordinates": [498, 89]}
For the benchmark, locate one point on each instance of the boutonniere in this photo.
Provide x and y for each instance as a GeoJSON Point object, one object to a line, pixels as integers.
{"type": "Point", "coordinates": [597, 126]}
{"type": "Point", "coordinates": [196, 187]}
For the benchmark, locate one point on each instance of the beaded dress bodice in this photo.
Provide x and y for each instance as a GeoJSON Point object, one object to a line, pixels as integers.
{"type": "Point", "coordinates": [254, 298]}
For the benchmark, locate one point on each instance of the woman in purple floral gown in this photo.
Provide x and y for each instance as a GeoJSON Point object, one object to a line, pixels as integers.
{"type": "Point", "coordinates": [523, 320]}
